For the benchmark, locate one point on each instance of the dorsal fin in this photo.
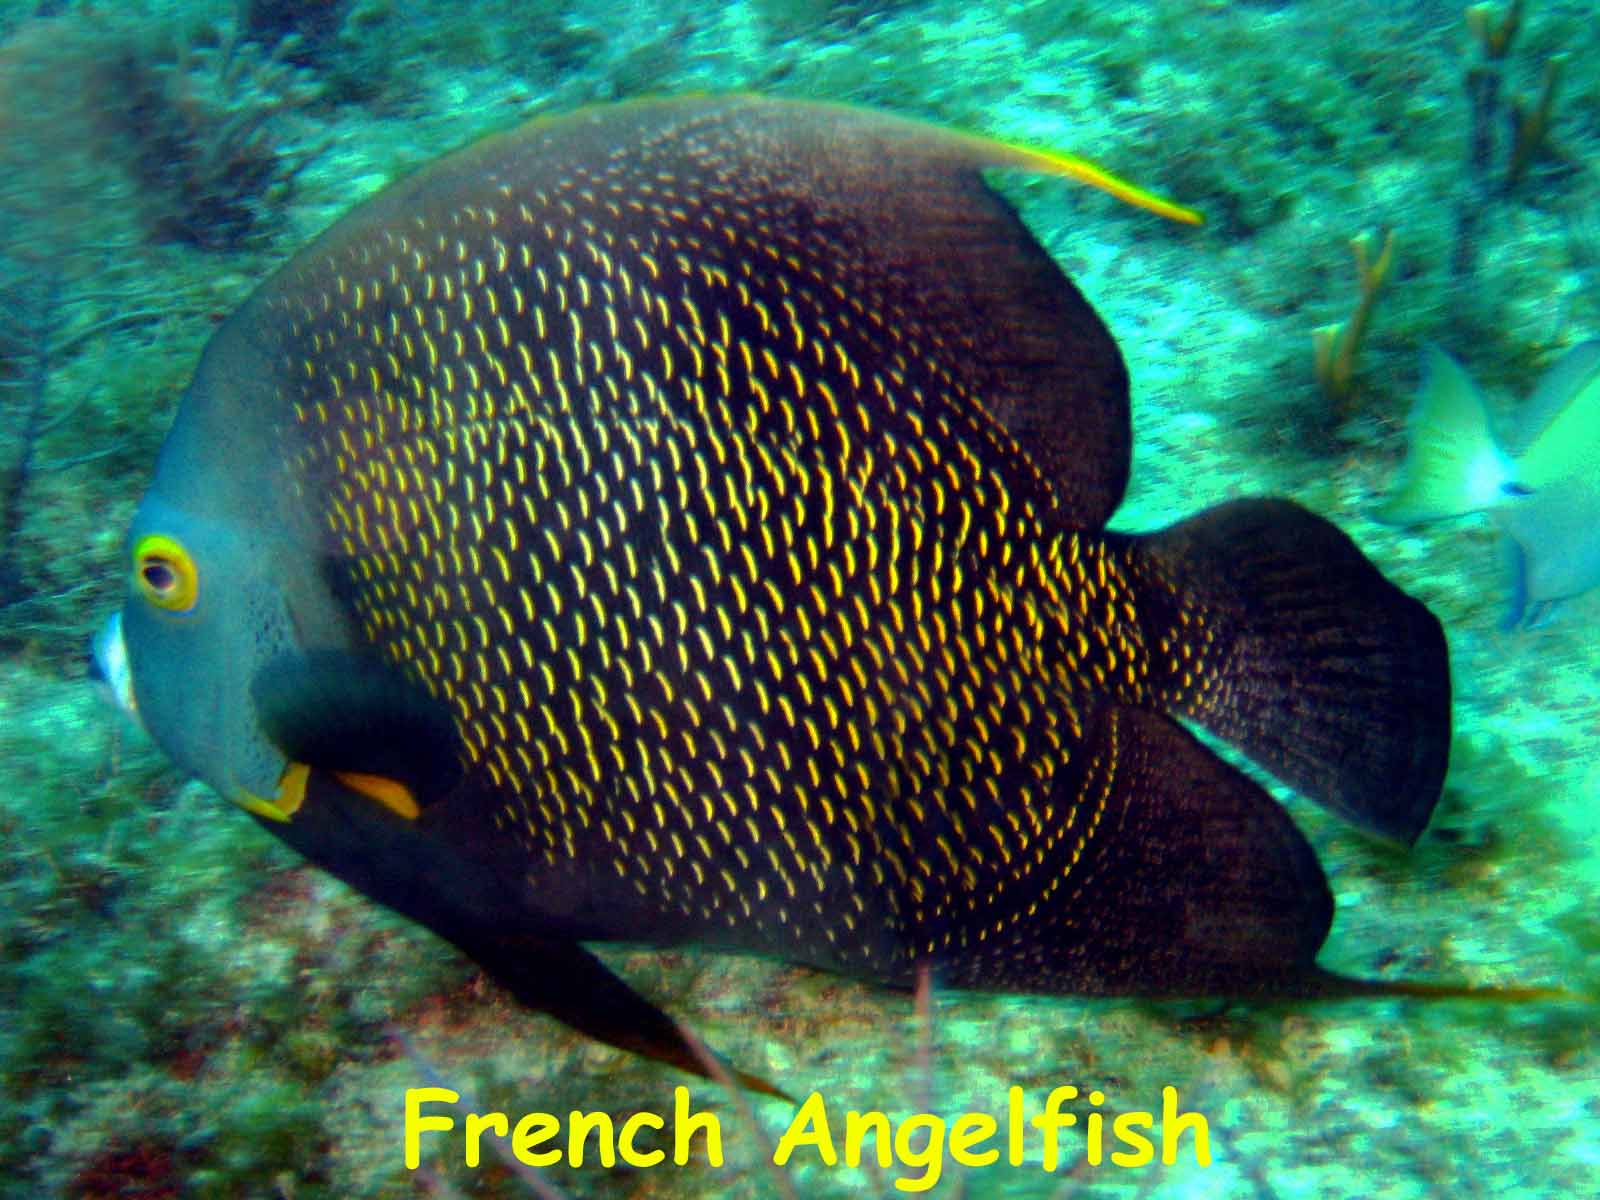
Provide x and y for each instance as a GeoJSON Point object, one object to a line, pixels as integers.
{"type": "Point", "coordinates": [885, 223]}
{"type": "Point", "coordinates": [1021, 337]}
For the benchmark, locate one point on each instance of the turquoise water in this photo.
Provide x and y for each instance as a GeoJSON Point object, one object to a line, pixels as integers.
{"type": "Point", "coordinates": [187, 1009]}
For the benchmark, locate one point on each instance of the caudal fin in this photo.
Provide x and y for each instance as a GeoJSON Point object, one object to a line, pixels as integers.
{"type": "Point", "coordinates": [1291, 645]}
{"type": "Point", "coordinates": [1452, 465]}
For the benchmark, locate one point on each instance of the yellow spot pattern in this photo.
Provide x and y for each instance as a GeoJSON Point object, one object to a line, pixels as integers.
{"type": "Point", "coordinates": [726, 579]}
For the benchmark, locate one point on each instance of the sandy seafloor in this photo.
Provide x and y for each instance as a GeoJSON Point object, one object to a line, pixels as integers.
{"type": "Point", "coordinates": [186, 1010]}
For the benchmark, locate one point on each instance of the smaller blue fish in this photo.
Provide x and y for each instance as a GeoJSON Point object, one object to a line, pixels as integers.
{"type": "Point", "coordinates": [1540, 483]}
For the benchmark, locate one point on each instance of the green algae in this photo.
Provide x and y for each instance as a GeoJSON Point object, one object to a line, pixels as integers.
{"type": "Point", "coordinates": [187, 1006]}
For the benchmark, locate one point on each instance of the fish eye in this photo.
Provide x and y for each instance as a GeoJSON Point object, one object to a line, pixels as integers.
{"type": "Point", "coordinates": [165, 574]}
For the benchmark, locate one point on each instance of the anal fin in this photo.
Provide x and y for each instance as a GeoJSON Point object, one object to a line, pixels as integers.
{"type": "Point", "coordinates": [1193, 882]}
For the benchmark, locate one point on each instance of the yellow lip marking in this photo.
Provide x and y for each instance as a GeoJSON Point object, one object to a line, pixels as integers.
{"type": "Point", "coordinates": [392, 794]}
{"type": "Point", "coordinates": [291, 795]}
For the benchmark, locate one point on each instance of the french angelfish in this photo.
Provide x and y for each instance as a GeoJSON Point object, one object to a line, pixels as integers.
{"type": "Point", "coordinates": [1541, 485]}
{"type": "Point", "coordinates": [683, 522]}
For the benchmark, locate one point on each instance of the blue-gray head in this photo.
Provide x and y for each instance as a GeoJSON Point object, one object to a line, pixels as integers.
{"type": "Point", "coordinates": [222, 581]}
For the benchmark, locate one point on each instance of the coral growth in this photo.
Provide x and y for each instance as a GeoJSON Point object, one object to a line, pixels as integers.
{"type": "Point", "coordinates": [1336, 345]}
{"type": "Point", "coordinates": [1496, 163]}
{"type": "Point", "coordinates": [200, 124]}
{"type": "Point", "coordinates": [25, 340]}
{"type": "Point", "coordinates": [147, 1171]}
{"type": "Point", "coordinates": [198, 127]}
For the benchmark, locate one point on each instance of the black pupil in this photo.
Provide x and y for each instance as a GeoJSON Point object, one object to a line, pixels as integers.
{"type": "Point", "coordinates": [160, 575]}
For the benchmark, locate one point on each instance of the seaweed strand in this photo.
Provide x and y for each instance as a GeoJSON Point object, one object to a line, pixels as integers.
{"type": "Point", "coordinates": [38, 321]}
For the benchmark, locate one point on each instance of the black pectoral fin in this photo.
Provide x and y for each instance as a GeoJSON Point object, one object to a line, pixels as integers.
{"type": "Point", "coordinates": [405, 865]}
{"type": "Point", "coordinates": [563, 979]}
{"type": "Point", "coordinates": [349, 713]}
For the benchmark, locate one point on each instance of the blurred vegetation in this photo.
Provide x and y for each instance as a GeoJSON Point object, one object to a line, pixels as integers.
{"type": "Point", "coordinates": [124, 137]}
{"type": "Point", "coordinates": [188, 1011]}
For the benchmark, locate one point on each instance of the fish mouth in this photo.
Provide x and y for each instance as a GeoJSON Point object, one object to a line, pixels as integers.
{"type": "Point", "coordinates": [284, 803]}
{"type": "Point", "coordinates": [113, 677]}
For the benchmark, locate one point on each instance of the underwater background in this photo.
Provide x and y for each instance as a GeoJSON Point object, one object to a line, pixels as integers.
{"type": "Point", "coordinates": [186, 1009]}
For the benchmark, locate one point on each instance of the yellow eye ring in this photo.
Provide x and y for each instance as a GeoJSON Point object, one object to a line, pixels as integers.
{"type": "Point", "coordinates": [165, 574]}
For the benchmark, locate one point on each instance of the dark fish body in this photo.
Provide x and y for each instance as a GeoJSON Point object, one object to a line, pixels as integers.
{"type": "Point", "coordinates": [683, 522]}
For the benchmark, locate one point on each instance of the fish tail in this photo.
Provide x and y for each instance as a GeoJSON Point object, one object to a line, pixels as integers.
{"type": "Point", "coordinates": [1452, 465]}
{"type": "Point", "coordinates": [1331, 986]}
{"type": "Point", "coordinates": [1287, 642]}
